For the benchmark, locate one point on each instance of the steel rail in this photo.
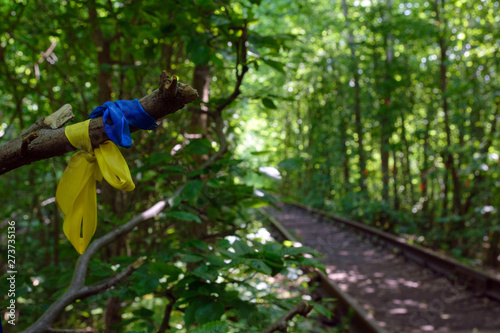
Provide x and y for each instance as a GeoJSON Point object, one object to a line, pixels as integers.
{"type": "Point", "coordinates": [480, 282]}
{"type": "Point", "coordinates": [348, 307]}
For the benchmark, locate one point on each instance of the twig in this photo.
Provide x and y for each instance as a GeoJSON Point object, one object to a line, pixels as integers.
{"type": "Point", "coordinates": [53, 142]}
{"type": "Point", "coordinates": [281, 325]}
{"type": "Point", "coordinates": [241, 59]}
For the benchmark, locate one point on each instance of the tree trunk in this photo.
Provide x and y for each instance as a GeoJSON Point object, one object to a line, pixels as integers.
{"type": "Point", "coordinates": [407, 166]}
{"type": "Point", "coordinates": [386, 112]}
{"type": "Point", "coordinates": [103, 56]}
{"type": "Point", "coordinates": [448, 155]}
{"type": "Point", "coordinates": [424, 173]}
{"type": "Point", "coordinates": [395, 179]}
{"type": "Point", "coordinates": [112, 314]}
{"type": "Point", "coordinates": [357, 101]}
{"type": "Point", "coordinates": [343, 149]}
{"type": "Point", "coordinates": [201, 82]}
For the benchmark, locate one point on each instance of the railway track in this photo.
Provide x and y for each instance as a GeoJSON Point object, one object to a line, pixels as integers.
{"type": "Point", "coordinates": [388, 285]}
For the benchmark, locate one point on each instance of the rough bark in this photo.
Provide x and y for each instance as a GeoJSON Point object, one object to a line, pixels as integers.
{"type": "Point", "coordinates": [47, 142]}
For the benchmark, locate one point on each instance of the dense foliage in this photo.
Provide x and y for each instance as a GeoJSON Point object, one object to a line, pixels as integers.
{"type": "Point", "coordinates": [388, 113]}
{"type": "Point", "coordinates": [208, 264]}
{"type": "Point", "coordinates": [385, 111]}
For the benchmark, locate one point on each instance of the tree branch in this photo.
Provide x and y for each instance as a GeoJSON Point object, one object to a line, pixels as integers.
{"type": "Point", "coordinates": [48, 142]}
{"type": "Point", "coordinates": [281, 325]}
{"type": "Point", "coordinates": [77, 288]}
{"type": "Point", "coordinates": [165, 324]}
{"type": "Point", "coordinates": [241, 59]}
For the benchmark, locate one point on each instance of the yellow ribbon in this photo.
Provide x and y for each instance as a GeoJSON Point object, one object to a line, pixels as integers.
{"type": "Point", "coordinates": [76, 191]}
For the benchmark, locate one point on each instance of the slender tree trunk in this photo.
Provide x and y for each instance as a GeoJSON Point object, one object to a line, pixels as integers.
{"type": "Point", "coordinates": [386, 111]}
{"type": "Point", "coordinates": [395, 179]}
{"type": "Point", "coordinates": [448, 155]}
{"type": "Point", "coordinates": [201, 82]}
{"type": "Point", "coordinates": [103, 55]}
{"type": "Point", "coordinates": [357, 101]}
{"type": "Point", "coordinates": [199, 128]}
{"type": "Point", "coordinates": [343, 126]}
{"type": "Point", "coordinates": [112, 314]}
{"type": "Point", "coordinates": [406, 144]}
{"type": "Point", "coordinates": [343, 150]}
{"type": "Point", "coordinates": [424, 174]}
{"type": "Point", "coordinates": [310, 141]}
{"type": "Point", "coordinates": [407, 165]}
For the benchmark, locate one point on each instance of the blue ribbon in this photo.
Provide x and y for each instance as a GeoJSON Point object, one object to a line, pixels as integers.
{"type": "Point", "coordinates": [119, 115]}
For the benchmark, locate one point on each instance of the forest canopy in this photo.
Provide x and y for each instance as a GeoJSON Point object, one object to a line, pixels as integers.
{"type": "Point", "coordinates": [386, 112]}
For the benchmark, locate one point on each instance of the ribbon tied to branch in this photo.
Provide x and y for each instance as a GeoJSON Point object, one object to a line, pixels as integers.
{"type": "Point", "coordinates": [76, 191]}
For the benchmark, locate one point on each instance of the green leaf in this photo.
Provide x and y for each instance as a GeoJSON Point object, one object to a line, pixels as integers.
{"type": "Point", "coordinates": [159, 157]}
{"type": "Point", "coordinates": [171, 169]}
{"type": "Point", "coordinates": [311, 262]}
{"type": "Point", "coordinates": [241, 247]}
{"type": "Point", "coordinates": [167, 29]}
{"type": "Point", "coordinates": [198, 147]}
{"type": "Point", "coordinates": [268, 103]}
{"type": "Point", "coordinates": [293, 163]}
{"type": "Point", "coordinates": [262, 152]}
{"type": "Point", "coordinates": [192, 191]}
{"type": "Point", "coordinates": [215, 260]}
{"type": "Point", "coordinates": [274, 64]}
{"type": "Point", "coordinates": [293, 251]}
{"type": "Point", "coordinates": [273, 247]}
{"type": "Point", "coordinates": [143, 312]}
{"type": "Point", "coordinates": [159, 269]}
{"type": "Point", "coordinates": [145, 285]}
{"type": "Point", "coordinates": [224, 243]}
{"type": "Point", "coordinates": [260, 266]}
{"type": "Point", "coordinates": [206, 272]}
{"type": "Point", "coordinates": [174, 201]}
{"type": "Point", "coordinates": [196, 243]}
{"type": "Point", "coordinates": [322, 310]}
{"type": "Point", "coordinates": [192, 258]}
{"type": "Point", "coordinates": [183, 216]}
{"type": "Point", "coordinates": [148, 175]}
{"type": "Point", "coordinates": [203, 2]}
{"type": "Point", "coordinates": [200, 53]}
{"type": "Point", "coordinates": [213, 327]}
{"type": "Point", "coordinates": [209, 312]}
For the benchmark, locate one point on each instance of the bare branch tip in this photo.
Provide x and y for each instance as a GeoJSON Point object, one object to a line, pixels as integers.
{"type": "Point", "coordinates": [171, 86]}
{"type": "Point", "coordinates": [164, 79]}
